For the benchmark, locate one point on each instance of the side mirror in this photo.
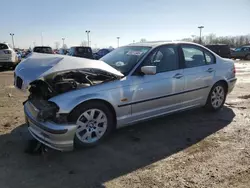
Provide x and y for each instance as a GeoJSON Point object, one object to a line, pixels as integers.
{"type": "Point", "coordinates": [148, 70]}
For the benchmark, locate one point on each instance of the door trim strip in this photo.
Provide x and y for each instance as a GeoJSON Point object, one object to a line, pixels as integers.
{"type": "Point", "coordinates": [151, 99]}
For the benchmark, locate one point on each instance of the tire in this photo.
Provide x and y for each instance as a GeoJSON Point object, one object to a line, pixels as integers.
{"type": "Point", "coordinates": [89, 132]}
{"type": "Point", "coordinates": [247, 57]}
{"type": "Point", "coordinates": [13, 67]}
{"type": "Point", "coordinates": [216, 97]}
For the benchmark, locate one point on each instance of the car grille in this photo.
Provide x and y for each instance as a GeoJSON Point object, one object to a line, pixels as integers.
{"type": "Point", "coordinates": [19, 82]}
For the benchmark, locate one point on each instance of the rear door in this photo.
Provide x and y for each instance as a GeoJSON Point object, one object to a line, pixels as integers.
{"type": "Point", "coordinates": [199, 71]}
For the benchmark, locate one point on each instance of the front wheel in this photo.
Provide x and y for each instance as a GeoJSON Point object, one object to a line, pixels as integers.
{"type": "Point", "coordinates": [217, 97]}
{"type": "Point", "coordinates": [95, 121]}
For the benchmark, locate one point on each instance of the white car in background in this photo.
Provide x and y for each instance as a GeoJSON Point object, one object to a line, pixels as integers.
{"type": "Point", "coordinates": [8, 57]}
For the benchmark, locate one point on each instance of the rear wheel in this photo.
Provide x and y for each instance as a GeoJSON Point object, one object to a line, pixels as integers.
{"type": "Point", "coordinates": [217, 97]}
{"type": "Point", "coordinates": [95, 121]}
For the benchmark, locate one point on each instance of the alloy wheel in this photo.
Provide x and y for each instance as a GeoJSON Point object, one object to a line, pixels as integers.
{"type": "Point", "coordinates": [92, 124]}
{"type": "Point", "coordinates": [217, 97]}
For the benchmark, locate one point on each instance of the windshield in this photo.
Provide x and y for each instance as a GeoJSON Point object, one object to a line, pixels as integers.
{"type": "Point", "coordinates": [125, 58]}
{"type": "Point", "coordinates": [237, 49]}
{"type": "Point", "coordinates": [47, 50]}
{"type": "Point", "coordinates": [3, 47]}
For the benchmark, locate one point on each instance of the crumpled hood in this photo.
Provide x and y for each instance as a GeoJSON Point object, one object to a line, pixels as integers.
{"type": "Point", "coordinates": [40, 65]}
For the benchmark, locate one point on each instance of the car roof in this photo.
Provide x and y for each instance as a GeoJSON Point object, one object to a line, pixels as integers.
{"type": "Point", "coordinates": [248, 46]}
{"type": "Point", "coordinates": [4, 43]}
{"type": "Point", "coordinates": [217, 45]}
{"type": "Point", "coordinates": [79, 47]}
{"type": "Point", "coordinates": [42, 47]}
{"type": "Point", "coordinates": [159, 43]}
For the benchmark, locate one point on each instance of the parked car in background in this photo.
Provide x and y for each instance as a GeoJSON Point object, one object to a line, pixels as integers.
{"type": "Point", "coordinates": [63, 51]}
{"type": "Point", "coordinates": [23, 53]}
{"type": "Point", "coordinates": [19, 56]}
{"type": "Point", "coordinates": [81, 51]}
{"type": "Point", "coordinates": [101, 53]}
{"type": "Point", "coordinates": [43, 49]}
{"type": "Point", "coordinates": [26, 53]}
{"type": "Point", "coordinates": [222, 50]}
{"type": "Point", "coordinates": [241, 53]}
{"type": "Point", "coordinates": [55, 51]}
{"type": "Point", "coordinates": [8, 56]}
{"type": "Point", "coordinates": [78, 101]}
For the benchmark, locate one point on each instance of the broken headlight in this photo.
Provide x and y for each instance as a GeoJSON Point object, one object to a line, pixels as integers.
{"type": "Point", "coordinates": [47, 112]}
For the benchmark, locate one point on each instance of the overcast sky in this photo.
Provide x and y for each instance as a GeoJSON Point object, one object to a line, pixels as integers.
{"type": "Point", "coordinates": [130, 20]}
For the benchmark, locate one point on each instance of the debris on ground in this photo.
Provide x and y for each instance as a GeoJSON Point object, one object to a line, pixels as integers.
{"type": "Point", "coordinates": [244, 97]}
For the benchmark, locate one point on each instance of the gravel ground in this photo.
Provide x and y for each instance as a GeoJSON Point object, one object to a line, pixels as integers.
{"type": "Point", "coordinates": [189, 149]}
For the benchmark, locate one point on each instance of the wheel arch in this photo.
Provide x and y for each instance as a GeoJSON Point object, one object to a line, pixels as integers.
{"type": "Point", "coordinates": [108, 104]}
{"type": "Point", "coordinates": [224, 82]}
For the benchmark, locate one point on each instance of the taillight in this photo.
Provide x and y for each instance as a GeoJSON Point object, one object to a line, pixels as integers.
{"type": "Point", "coordinates": [234, 70]}
{"type": "Point", "coordinates": [7, 51]}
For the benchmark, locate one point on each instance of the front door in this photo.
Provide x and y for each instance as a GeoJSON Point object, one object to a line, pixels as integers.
{"type": "Point", "coordinates": [199, 71]}
{"type": "Point", "coordinates": [160, 93]}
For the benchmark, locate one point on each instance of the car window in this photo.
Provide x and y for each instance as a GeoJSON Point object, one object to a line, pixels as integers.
{"type": "Point", "coordinates": [125, 58]}
{"type": "Point", "coordinates": [164, 58]}
{"type": "Point", "coordinates": [85, 52]}
{"type": "Point", "coordinates": [82, 50]}
{"type": "Point", "coordinates": [71, 51]}
{"type": "Point", "coordinates": [224, 49]}
{"type": "Point", "coordinates": [101, 52]}
{"type": "Point", "coordinates": [47, 50]}
{"type": "Point", "coordinates": [210, 59]}
{"type": "Point", "coordinates": [3, 47]}
{"type": "Point", "coordinates": [195, 56]}
{"type": "Point", "coordinates": [246, 49]}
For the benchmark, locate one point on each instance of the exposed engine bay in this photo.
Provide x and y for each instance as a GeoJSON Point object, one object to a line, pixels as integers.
{"type": "Point", "coordinates": [62, 82]}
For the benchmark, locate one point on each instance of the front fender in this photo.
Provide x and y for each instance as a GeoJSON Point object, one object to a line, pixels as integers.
{"type": "Point", "coordinates": [67, 103]}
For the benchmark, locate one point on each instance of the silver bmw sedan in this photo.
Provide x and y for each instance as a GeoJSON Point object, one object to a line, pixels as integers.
{"type": "Point", "coordinates": [78, 102]}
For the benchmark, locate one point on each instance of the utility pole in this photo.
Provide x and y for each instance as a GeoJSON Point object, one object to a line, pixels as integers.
{"type": "Point", "coordinates": [63, 42]}
{"type": "Point", "coordinates": [42, 38]}
{"type": "Point", "coordinates": [200, 27]}
{"type": "Point", "coordinates": [12, 36]}
{"type": "Point", "coordinates": [118, 38]}
{"type": "Point", "coordinates": [87, 31]}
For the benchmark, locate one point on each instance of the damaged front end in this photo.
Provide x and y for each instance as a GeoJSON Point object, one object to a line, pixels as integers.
{"type": "Point", "coordinates": [49, 76]}
{"type": "Point", "coordinates": [45, 123]}
{"type": "Point", "coordinates": [43, 89]}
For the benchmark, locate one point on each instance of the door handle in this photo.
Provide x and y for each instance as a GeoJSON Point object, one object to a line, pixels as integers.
{"type": "Point", "coordinates": [178, 76]}
{"type": "Point", "coordinates": [210, 70]}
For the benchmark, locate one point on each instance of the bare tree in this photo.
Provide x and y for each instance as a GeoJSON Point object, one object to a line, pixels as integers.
{"type": "Point", "coordinates": [210, 38]}
{"type": "Point", "coordinates": [232, 41]}
{"type": "Point", "coordinates": [143, 40]}
{"type": "Point", "coordinates": [187, 39]}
